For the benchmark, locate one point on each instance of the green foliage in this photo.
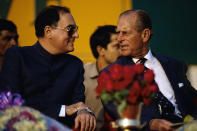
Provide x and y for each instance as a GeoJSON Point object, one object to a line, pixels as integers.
{"type": "Point", "coordinates": [124, 93]}
{"type": "Point", "coordinates": [122, 106]}
{"type": "Point", "coordinates": [106, 97]}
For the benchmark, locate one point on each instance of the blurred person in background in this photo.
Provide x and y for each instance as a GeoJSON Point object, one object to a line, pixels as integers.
{"type": "Point", "coordinates": [8, 37]}
{"type": "Point", "coordinates": [105, 49]}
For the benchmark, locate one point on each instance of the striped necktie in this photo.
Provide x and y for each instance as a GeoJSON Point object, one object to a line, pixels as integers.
{"type": "Point", "coordinates": [141, 60]}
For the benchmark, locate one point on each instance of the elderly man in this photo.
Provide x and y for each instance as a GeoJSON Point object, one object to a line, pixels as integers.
{"type": "Point", "coordinates": [175, 91]}
{"type": "Point", "coordinates": [8, 37]}
{"type": "Point", "coordinates": [48, 78]}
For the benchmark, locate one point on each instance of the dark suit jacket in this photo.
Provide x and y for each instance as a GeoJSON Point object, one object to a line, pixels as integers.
{"type": "Point", "coordinates": [176, 73]}
{"type": "Point", "coordinates": [45, 81]}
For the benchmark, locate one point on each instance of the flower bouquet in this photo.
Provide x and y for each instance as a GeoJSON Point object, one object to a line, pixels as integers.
{"type": "Point", "coordinates": [15, 117]}
{"type": "Point", "coordinates": [125, 85]}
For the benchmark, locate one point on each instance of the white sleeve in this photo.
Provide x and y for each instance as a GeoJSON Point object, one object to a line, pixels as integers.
{"type": "Point", "coordinates": [62, 111]}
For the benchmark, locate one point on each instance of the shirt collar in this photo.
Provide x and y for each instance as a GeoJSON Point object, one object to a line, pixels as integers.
{"type": "Point", "coordinates": [149, 56]}
{"type": "Point", "coordinates": [44, 53]}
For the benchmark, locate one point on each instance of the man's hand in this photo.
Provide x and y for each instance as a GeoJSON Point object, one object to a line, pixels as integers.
{"type": "Point", "coordinates": [85, 121]}
{"type": "Point", "coordinates": [160, 125]}
{"type": "Point", "coordinates": [71, 109]}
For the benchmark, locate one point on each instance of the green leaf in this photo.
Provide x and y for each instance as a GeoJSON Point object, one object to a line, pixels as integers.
{"type": "Point", "coordinates": [106, 98]}
{"type": "Point", "coordinates": [117, 96]}
{"type": "Point", "coordinates": [124, 92]}
{"type": "Point", "coordinates": [121, 107]}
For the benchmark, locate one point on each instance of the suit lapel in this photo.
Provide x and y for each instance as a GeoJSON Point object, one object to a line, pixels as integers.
{"type": "Point", "coordinates": [169, 70]}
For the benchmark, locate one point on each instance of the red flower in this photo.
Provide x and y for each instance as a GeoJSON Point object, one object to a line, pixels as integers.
{"type": "Point", "coordinates": [104, 76]}
{"type": "Point", "coordinates": [126, 83]}
{"type": "Point", "coordinates": [154, 88]}
{"type": "Point", "coordinates": [120, 85]}
{"type": "Point", "coordinates": [109, 85]}
{"type": "Point", "coordinates": [146, 101]}
{"type": "Point", "coordinates": [146, 91]}
{"type": "Point", "coordinates": [134, 93]}
{"type": "Point", "coordinates": [139, 68]}
{"type": "Point", "coordinates": [28, 115]}
{"type": "Point", "coordinates": [129, 72]}
{"type": "Point", "coordinates": [149, 76]}
{"type": "Point", "coordinates": [116, 72]}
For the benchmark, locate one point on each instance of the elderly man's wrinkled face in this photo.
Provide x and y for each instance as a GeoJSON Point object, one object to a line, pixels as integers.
{"type": "Point", "coordinates": [7, 39]}
{"type": "Point", "coordinates": [131, 41]}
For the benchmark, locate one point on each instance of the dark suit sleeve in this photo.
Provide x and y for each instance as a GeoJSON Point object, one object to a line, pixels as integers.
{"type": "Point", "coordinates": [10, 73]}
{"type": "Point", "coordinates": [78, 93]}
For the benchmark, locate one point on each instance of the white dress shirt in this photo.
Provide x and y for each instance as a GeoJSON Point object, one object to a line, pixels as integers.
{"type": "Point", "coordinates": [62, 111]}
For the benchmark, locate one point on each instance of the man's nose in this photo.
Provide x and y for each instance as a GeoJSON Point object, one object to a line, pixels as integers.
{"type": "Point", "coordinates": [119, 37]}
{"type": "Point", "coordinates": [76, 34]}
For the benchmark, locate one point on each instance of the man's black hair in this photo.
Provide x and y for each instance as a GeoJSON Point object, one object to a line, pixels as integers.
{"type": "Point", "coordinates": [7, 25]}
{"type": "Point", "coordinates": [48, 16]}
{"type": "Point", "coordinates": [101, 37]}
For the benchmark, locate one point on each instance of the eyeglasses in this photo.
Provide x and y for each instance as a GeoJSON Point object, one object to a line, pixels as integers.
{"type": "Point", "coordinates": [71, 29]}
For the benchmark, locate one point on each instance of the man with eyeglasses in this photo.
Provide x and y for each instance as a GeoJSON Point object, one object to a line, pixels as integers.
{"type": "Point", "coordinates": [8, 37]}
{"type": "Point", "coordinates": [48, 78]}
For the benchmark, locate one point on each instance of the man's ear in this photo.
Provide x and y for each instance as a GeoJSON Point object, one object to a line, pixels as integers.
{"type": "Point", "coordinates": [100, 50]}
{"type": "Point", "coordinates": [48, 31]}
{"type": "Point", "coordinates": [146, 35]}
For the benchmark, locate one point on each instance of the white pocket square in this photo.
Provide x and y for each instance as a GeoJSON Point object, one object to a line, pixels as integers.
{"type": "Point", "coordinates": [180, 85]}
